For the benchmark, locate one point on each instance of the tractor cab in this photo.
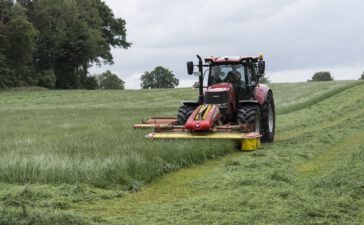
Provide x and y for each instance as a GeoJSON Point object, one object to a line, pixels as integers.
{"type": "Point", "coordinates": [243, 78]}
{"type": "Point", "coordinates": [233, 89]}
{"type": "Point", "coordinates": [230, 81]}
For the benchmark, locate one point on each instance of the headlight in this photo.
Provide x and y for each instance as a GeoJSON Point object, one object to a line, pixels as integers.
{"type": "Point", "coordinates": [224, 105]}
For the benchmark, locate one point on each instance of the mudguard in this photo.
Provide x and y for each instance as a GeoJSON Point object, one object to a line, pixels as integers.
{"type": "Point", "coordinates": [261, 93]}
{"type": "Point", "coordinates": [193, 104]}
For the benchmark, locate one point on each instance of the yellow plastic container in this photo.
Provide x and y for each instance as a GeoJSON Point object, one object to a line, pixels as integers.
{"type": "Point", "coordinates": [250, 144]}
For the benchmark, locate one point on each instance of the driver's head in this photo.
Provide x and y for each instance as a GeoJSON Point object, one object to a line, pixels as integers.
{"type": "Point", "coordinates": [236, 75]}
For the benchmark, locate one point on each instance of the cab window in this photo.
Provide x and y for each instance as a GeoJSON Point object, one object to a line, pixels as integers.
{"type": "Point", "coordinates": [227, 73]}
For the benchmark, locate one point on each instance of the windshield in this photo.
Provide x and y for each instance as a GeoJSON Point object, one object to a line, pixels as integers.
{"type": "Point", "coordinates": [227, 73]}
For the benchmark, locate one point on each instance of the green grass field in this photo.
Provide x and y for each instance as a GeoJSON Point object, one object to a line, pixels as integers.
{"type": "Point", "coordinates": [71, 157]}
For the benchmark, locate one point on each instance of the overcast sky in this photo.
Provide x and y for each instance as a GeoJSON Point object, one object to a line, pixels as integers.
{"type": "Point", "coordinates": [297, 37]}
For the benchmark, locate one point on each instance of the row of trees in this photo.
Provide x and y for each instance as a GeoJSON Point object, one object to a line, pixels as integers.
{"type": "Point", "coordinates": [53, 43]}
{"type": "Point", "coordinates": [160, 77]}
{"type": "Point", "coordinates": [326, 76]}
{"type": "Point", "coordinates": [106, 80]}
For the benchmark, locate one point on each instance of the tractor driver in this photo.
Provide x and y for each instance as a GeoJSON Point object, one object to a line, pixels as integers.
{"type": "Point", "coordinates": [233, 77]}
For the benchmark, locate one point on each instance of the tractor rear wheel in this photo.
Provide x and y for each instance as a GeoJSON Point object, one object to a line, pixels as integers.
{"type": "Point", "coordinates": [184, 113]}
{"type": "Point", "coordinates": [268, 119]}
{"type": "Point", "coordinates": [249, 116]}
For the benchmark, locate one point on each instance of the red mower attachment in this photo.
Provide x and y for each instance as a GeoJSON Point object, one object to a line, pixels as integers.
{"type": "Point", "coordinates": [203, 118]}
{"type": "Point", "coordinates": [202, 124]}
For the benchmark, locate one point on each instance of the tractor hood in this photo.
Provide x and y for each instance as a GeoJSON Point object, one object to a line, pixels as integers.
{"type": "Point", "coordinates": [220, 87]}
{"type": "Point", "coordinates": [221, 94]}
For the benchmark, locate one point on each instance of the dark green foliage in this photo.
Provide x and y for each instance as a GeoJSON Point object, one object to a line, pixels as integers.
{"type": "Point", "coordinates": [91, 83]}
{"type": "Point", "coordinates": [17, 44]}
{"type": "Point", "coordinates": [5, 8]}
{"type": "Point", "coordinates": [67, 44]}
{"type": "Point", "coordinates": [362, 76]}
{"type": "Point", "coordinates": [25, 3]}
{"type": "Point", "coordinates": [322, 76]}
{"type": "Point", "coordinates": [6, 73]}
{"type": "Point", "coordinates": [21, 37]}
{"type": "Point", "coordinates": [47, 78]}
{"type": "Point", "coordinates": [109, 80]}
{"type": "Point", "coordinates": [160, 77]}
{"type": "Point", "coordinates": [113, 31]}
{"type": "Point", "coordinates": [72, 36]}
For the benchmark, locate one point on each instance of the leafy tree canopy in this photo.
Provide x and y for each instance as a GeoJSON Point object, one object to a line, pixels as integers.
{"type": "Point", "coordinates": [160, 77]}
{"type": "Point", "coordinates": [108, 80]}
{"type": "Point", "coordinates": [322, 76]}
{"type": "Point", "coordinates": [43, 39]}
{"type": "Point", "coordinates": [362, 76]}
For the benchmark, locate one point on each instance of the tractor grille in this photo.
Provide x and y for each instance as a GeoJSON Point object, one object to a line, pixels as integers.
{"type": "Point", "coordinates": [216, 97]}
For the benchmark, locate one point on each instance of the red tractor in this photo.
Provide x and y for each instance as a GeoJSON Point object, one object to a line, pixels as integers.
{"type": "Point", "coordinates": [231, 105]}
{"type": "Point", "coordinates": [233, 88]}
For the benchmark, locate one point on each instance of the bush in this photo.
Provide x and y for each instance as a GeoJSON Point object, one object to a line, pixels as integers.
{"type": "Point", "coordinates": [91, 83]}
{"type": "Point", "coordinates": [109, 80]}
{"type": "Point", "coordinates": [322, 76]}
{"type": "Point", "coordinates": [160, 77]}
{"type": "Point", "coordinates": [362, 76]}
{"type": "Point", "coordinates": [47, 78]}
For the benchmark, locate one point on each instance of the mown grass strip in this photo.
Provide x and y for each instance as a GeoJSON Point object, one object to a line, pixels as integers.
{"type": "Point", "coordinates": [326, 161]}
{"type": "Point", "coordinates": [315, 100]}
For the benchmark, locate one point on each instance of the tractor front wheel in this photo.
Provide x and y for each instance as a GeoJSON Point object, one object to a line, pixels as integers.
{"type": "Point", "coordinates": [184, 113]}
{"type": "Point", "coordinates": [249, 116]}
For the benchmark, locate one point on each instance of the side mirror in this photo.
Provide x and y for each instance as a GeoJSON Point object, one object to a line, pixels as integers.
{"type": "Point", "coordinates": [261, 67]}
{"type": "Point", "coordinates": [190, 68]}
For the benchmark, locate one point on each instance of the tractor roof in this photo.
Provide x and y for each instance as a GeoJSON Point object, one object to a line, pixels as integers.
{"type": "Point", "coordinates": [233, 59]}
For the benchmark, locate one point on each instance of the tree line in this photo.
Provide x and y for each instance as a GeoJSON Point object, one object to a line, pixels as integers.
{"type": "Point", "coordinates": [52, 43]}
{"type": "Point", "coordinates": [159, 77]}
{"type": "Point", "coordinates": [326, 76]}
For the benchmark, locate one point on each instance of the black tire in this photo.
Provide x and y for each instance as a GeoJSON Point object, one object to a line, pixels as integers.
{"type": "Point", "coordinates": [249, 115]}
{"type": "Point", "coordinates": [268, 119]}
{"type": "Point", "coordinates": [184, 113]}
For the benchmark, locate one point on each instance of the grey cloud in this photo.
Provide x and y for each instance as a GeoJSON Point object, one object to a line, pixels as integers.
{"type": "Point", "coordinates": [292, 34]}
